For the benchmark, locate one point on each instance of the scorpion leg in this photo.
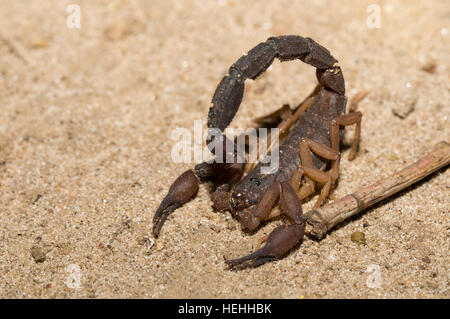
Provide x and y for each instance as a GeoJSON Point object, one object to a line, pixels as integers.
{"type": "Point", "coordinates": [354, 101]}
{"type": "Point", "coordinates": [281, 239]}
{"type": "Point", "coordinates": [327, 179]}
{"type": "Point", "coordinates": [344, 120]}
{"type": "Point", "coordinates": [327, 152]}
{"type": "Point", "coordinates": [353, 117]}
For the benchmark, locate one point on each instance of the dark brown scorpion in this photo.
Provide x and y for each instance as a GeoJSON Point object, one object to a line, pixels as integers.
{"type": "Point", "coordinates": [313, 130]}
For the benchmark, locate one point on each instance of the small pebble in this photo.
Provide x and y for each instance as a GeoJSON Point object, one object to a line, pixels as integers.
{"type": "Point", "coordinates": [231, 224]}
{"type": "Point", "coordinates": [359, 238]}
{"type": "Point", "coordinates": [404, 108]}
{"type": "Point", "coordinates": [215, 228]}
{"type": "Point", "coordinates": [159, 246]}
{"type": "Point", "coordinates": [429, 67]}
{"type": "Point", "coordinates": [38, 254]}
{"type": "Point", "coordinates": [40, 43]}
{"type": "Point", "coordinates": [393, 157]}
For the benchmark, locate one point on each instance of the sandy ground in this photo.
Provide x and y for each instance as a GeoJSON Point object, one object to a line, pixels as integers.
{"type": "Point", "coordinates": [85, 149]}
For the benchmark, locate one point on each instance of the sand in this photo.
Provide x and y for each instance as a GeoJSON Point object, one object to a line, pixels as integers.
{"type": "Point", "coordinates": [85, 151]}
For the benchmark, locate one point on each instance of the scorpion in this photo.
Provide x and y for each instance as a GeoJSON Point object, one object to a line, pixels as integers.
{"type": "Point", "coordinates": [309, 153]}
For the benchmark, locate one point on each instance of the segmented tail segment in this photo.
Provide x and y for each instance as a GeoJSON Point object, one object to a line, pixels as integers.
{"type": "Point", "coordinates": [229, 92]}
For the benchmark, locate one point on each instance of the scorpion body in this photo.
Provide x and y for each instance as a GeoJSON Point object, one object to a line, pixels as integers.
{"type": "Point", "coordinates": [312, 124]}
{"type": "Point", "coordinates": [312, 143]}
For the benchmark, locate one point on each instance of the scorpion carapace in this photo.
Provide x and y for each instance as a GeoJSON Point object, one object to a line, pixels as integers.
{"type": "Point", "coordinates": [314, 131]}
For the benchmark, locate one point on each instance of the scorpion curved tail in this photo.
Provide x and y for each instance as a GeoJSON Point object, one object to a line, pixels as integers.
{"type": "Point", "coordinates": [229, 92]}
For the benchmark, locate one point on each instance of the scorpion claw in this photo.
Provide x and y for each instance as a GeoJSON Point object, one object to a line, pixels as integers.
{"type": "Point", "coordinates": [161, 216]}
{"type": "Point", "coordinates": [252, 260]}
{"type": "Point", "coordinates": [279, 242]}
{"type": "Point", "coordinates": [184, 187]}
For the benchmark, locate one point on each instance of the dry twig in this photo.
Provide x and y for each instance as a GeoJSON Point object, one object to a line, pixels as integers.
{"type": "Point", "coordinates": [321, 220]}
{"type": "Point", "coordinates": [15, 48]}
